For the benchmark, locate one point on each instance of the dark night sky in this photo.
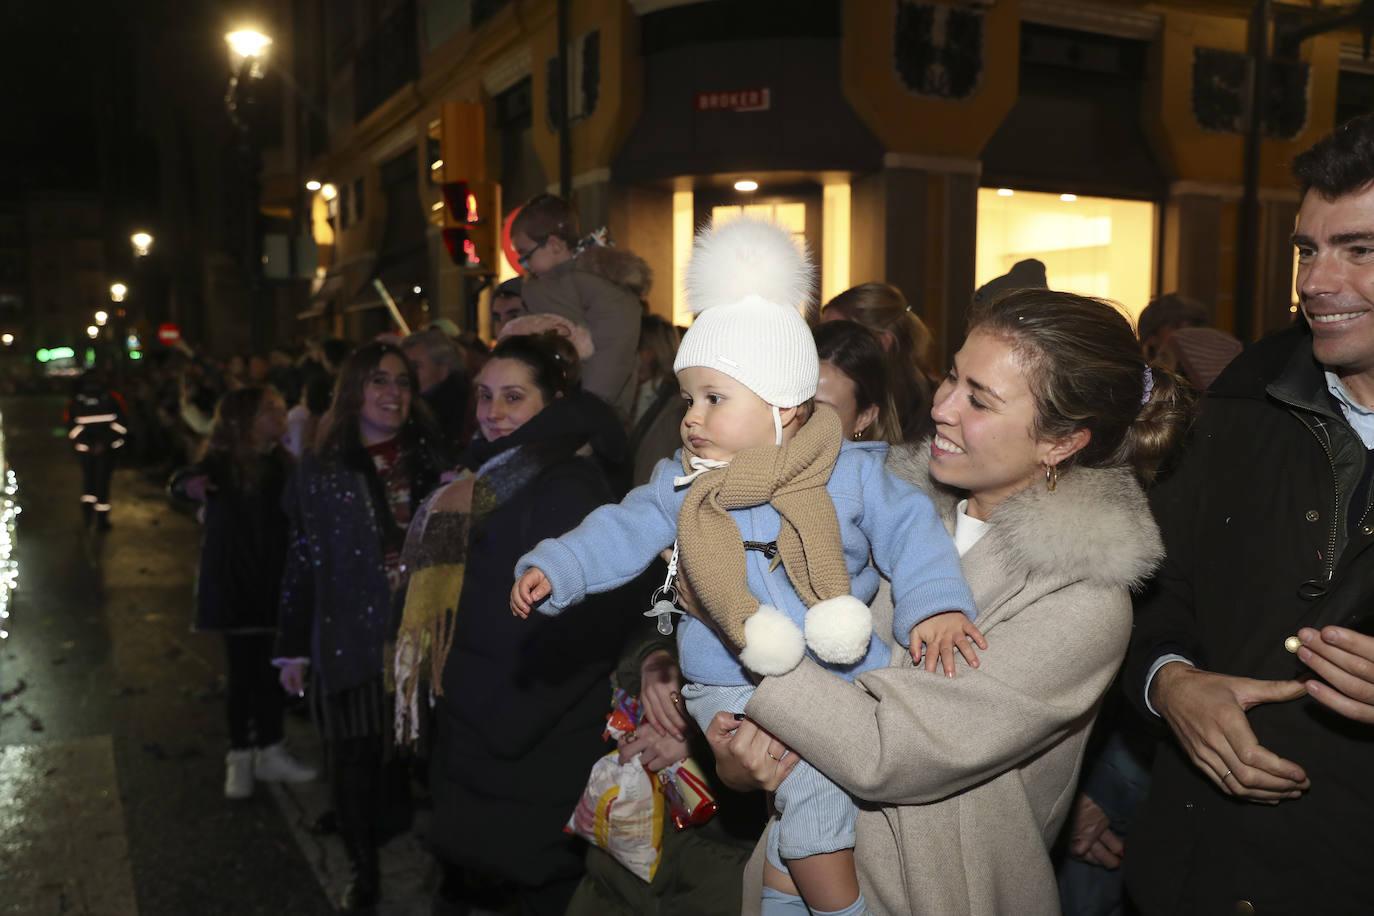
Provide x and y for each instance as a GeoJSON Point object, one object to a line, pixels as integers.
{"type": "Point", "coordinates": [57, 79]}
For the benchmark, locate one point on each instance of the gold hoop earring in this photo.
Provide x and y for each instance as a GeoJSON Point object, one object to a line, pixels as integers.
{"type": "Point", "coordinates": [1051, 477]}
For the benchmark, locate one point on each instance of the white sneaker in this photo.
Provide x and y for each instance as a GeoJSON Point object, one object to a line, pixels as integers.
{"type": "Point", "coordinates": [238, 774]}
{"type": "Point", "coordinates": [275, 764]}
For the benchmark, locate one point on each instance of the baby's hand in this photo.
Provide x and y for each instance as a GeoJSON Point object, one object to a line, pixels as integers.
{"type": "Point", "coordinates": [940, 635]}
{"type": "Point", "coordinates": [528, 590]}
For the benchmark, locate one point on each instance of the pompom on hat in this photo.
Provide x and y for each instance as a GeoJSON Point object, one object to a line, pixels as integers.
{"type": "Point", "coordinates": [747, 283]}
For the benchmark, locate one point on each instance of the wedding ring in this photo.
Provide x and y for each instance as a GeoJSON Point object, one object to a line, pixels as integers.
{"type": "Point", "coordinates": [1224, 775]}
{"type": "Point", "coordinates": [770, 755]}
{"type": "Point", "coordinates": [673, 695]}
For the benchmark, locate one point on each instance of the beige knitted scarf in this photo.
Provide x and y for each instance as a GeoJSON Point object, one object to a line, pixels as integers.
{"type": "Point", "coordinates": [792, 477]}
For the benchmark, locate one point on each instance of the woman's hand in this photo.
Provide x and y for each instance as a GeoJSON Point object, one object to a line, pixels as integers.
{"type": "Point", "coordinates": [941, 635]}
{"type": "Point", "coordinates": [659, 682]}
{"type": "Point", "coordinates": [292, 677]}
{"type": "Point", "coordinates": [655, 751]}
{"type": "Point", "coordinates": [747, 757]}
{"type": "Point", "coordinates": [1090, 835]}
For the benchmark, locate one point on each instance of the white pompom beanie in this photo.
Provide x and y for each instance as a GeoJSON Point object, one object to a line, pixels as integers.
{"type": "Point", "coordinates": [748, 282]}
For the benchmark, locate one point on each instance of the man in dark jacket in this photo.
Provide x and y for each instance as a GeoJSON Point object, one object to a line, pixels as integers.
{"type": "Point", "coordinates": [1248, 643]}
{"type": "Point", "coordinates": [443, 385]}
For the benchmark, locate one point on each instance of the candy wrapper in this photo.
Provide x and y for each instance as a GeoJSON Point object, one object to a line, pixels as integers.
{"type": "Point", "coordinates": [690, 801]}
{"type": "Point", "coordinates": [624, 718]}
{"type": "Point", "coordinates": [684, 785]}
{"type": "Point", "coordinates": [621, 811]}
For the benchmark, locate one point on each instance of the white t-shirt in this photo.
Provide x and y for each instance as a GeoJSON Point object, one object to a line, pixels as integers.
{"type": "Point", "coordinates": [967, 529]}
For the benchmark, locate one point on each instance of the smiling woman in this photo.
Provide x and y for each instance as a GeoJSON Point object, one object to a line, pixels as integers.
{"type": "Point", "coordinates": [524, 374]}
{"type": "Point", "coordinates": [349, 506]}
{"type": "Point", "coordinates": [1046, 426]}
{"type": "Point", "coordinates": [519, 708]}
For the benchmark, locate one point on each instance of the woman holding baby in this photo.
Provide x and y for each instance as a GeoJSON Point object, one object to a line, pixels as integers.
{"type": "Point", "coordinates": [1046, 427]}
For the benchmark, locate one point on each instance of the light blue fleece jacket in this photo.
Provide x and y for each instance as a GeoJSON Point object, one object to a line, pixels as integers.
{"type": "Point", "coordinates": [886, 525]}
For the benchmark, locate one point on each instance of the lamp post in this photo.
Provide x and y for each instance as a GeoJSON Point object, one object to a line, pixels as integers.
{"type": "Point", "coordinates": [248, 50]}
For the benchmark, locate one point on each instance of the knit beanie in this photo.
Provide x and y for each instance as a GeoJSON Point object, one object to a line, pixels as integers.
{"type": "Point", "coordinates": [747, 282]}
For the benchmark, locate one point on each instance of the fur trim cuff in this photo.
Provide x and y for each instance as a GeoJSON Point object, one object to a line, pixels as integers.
{"type": "Point", "coordinates": [839, 629]}
{"type": "Point", "coordinates": [773, 643]}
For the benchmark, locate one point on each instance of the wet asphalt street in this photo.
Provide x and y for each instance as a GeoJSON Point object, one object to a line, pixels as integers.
{"type": "Point", "coordinates": [112, 732]}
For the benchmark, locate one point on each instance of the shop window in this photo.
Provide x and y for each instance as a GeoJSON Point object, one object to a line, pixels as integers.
{"type": "Point", "coordinates": [1096, 246]}
{"type": "Point", "coordinates": [791, 216]}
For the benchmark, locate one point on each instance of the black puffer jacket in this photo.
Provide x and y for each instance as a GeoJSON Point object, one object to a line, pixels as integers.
{"type": "Point", "coordinates": [524, 704]}
{"type": "Point", "coordinates": [1259, 540]}
{"type": "Point", "coordinates": [243, 550]}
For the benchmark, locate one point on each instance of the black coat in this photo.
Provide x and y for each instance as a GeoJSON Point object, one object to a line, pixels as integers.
{"type": "Point", "coordinates": [336, 603]}
{"type": "Point", "coordinates": [448, 402]}
{"type": "Point", "coordinates": [243, 549]}
{"type": "Point", "coordinates": [525, 701]}
{"type": "Point", "coordinates": [1253, 530]}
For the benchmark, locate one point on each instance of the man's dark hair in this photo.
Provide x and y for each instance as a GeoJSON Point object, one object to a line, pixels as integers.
{"type": "Point", "coordinates": [1340, 163]}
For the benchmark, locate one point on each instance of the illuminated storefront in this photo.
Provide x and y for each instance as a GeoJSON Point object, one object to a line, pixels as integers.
{"type": "Point", "coordinates": [1096, 246]}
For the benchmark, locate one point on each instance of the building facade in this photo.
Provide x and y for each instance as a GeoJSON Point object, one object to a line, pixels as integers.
{"type": "Point", "coordinates": [930, 145]}
{"type": "Point", "coordinates": [65, 236]}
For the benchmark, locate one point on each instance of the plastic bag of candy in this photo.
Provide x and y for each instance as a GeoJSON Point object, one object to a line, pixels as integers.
{"type": "Point", "coordinates": [621, 811]}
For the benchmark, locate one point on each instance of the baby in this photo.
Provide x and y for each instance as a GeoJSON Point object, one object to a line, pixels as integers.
{"type": "Point", "coordinates": [781, 527]}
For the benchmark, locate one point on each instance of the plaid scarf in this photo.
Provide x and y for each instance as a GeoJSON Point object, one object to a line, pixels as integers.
{"type": "Point", "coordinates": [792, 478]}
{"type": "Point", "coordinates": [434, 563]}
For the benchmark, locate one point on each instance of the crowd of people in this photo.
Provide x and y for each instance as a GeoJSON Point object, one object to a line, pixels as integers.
{"type": "Point", "coordinates": [977, 640]}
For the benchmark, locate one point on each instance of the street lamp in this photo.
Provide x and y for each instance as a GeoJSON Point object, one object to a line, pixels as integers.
{"type": "Point", "coordinates": [92, 331]}
{"type": "Point", "coordinates": [142, 242]}
{"type": "Point", "coordinates": [248, 50]}
{"type": "Point", "coordinates": [6, 339]}
{"type": "Point", "coordinates": [247, 46]}
{"type": "Point", "coordinates": [118, 291]}
{"type": "Point", "coordinates": [101, 317]}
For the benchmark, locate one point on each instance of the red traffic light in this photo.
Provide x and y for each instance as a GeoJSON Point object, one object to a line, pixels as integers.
{"type": "Point", "coordinates": [462, 250]}
{"type": "Point", "coordinates": [460, 202]}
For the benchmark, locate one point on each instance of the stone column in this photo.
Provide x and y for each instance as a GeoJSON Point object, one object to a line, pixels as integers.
{"type": "Point", "coordinates": [914, 224]}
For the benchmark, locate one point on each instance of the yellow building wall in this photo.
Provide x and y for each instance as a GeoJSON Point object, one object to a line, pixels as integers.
{"type": "Point", "coordinates": [1191, 153]}
{"type": "Point", "coordinates": [907, 123]}
{"type": "Point", "coordinates": [598, 138]}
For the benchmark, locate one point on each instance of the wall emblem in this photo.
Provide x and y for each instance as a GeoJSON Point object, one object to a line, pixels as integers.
{"type": "Point", "coordinates": [938, 49]}
{"type": "Point", "coordinates": [584, 71]}
{"type": "Point", "coordinates": [1220, 93]}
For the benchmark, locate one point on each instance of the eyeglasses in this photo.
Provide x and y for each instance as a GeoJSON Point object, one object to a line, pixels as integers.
{"type": "Point", "coordinates": [524, 259]}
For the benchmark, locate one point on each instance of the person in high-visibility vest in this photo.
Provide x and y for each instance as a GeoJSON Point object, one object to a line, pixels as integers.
{"type": "Point", "coordinates": [95, 426]}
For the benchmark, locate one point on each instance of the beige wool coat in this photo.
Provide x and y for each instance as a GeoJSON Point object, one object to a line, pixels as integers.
{"type": "Point", "coordinates": [965, 782]}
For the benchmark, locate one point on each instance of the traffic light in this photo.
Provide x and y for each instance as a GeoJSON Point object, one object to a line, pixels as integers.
{"type": "Point", "coordinates": [472, 204]}
{"type": "Point", "coordinates": [472, 225]}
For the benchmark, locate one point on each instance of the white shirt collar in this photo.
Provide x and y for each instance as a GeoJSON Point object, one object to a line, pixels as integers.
{"type": "Point", "coordinates": [967, 529]}
{"type": "Point", "coordinates": [1360, 418]}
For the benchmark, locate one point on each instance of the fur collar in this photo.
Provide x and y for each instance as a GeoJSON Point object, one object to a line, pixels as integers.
{"type": "Point", "coordinates": [618, 266]}
{"type": "Point", "coordinates": [1096, 526]}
